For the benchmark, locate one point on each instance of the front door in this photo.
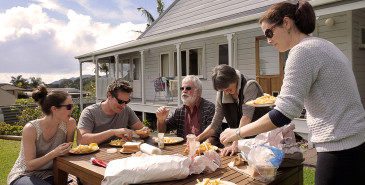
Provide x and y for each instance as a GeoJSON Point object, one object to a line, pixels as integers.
{"type": "Point", "coordinates": [269, 66]}
{"type": "Point", "coordinates": [136, 78]}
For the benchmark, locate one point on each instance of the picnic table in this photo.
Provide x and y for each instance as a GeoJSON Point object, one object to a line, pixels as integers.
{"type": "Point", "coordinates": [80, 166]}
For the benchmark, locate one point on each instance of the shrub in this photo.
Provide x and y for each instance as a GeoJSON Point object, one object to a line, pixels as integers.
{"type": "Point", "coordinates": [76, 113]}
{"type": "Point", "coordinates": [6, 129]}
{"type": "Point", "coordinates": [29, 114]}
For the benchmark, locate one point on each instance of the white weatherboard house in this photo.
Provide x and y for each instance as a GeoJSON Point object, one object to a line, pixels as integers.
{"type": "Point", "coordinates": [192, 37]}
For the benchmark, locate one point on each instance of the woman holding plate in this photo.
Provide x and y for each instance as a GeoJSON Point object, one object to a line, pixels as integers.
{"type": "Point", "coordinates": [234, 91]}
{"type": "Point", "coordinates": [319, 77]}
{"type": "Point", "coordinates": [44, 139]}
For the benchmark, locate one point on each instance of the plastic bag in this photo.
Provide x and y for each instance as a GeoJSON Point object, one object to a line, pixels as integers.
{"type": "Point", "coordinates": [265, 161]}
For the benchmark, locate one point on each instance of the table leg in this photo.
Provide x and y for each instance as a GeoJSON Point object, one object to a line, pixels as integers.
{"type": "Point", "coordinates": [60, 176]}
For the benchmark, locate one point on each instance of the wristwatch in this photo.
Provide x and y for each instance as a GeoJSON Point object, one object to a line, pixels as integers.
{"type": "Point", "coordinates": [238, 133]}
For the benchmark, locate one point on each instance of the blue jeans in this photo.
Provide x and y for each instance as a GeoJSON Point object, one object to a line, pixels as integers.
{"type": "Point", "coordinates": [341, 167]}
{"type": "Point", "coordinates": [30, 180]}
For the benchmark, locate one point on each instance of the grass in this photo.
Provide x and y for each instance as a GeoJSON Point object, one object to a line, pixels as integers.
{"type": "Point", "coordinates": [9, 151]}
{"type": "Point", "coordinates": [308, 176]}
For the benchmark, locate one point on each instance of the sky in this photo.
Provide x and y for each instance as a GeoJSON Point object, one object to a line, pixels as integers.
{"type": "Point", "coordinates": [40, 38]}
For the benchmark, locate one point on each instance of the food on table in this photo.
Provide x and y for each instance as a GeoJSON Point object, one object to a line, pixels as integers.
{"type": "Point", "coordinates": [111, 150]}
{"type": "Point", "coordinates": [131, 147]}
{"type": "Point", "coordinates": [168, 140]}
{"type": "Point", "coordinates": [140, 132]}
{"type": "Point", "coordinates": [265, 99]}
{"type": "Point", "coordinates": [85, 148]}
{"type": "Point", "coordinates": [117, 142]}
{"type": "Point", "coordinates": [207, 181]}
{"type": "Point", "coordinates": [204, 147]}
{"type": "Point", "coordinates": [239, 160]}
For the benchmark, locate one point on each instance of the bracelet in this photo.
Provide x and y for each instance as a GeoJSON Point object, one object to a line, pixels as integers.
{"type": "Point", "coordinates": [238, 133]}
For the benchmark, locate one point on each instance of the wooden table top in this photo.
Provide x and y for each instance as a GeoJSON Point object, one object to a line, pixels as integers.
{"type": "Point", "coordinates": [80, 165]}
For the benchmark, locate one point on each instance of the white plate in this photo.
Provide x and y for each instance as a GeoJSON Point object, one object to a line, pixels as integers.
{"type": "Point", "coordinates": [121, 151]}
{"type": "Point", "coordinates": [261, 105]}
{"type": "Point", "coordinates": [178, 140]}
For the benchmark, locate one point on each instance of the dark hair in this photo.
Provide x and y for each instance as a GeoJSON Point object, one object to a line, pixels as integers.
{"type": "Point", "coordinates": [47, 99]}
{"type": "Point", "coordinates": [119, 85]}
{"type": "Point", "coordinates": [301, 13]}
{"type": "Point", "coordinates": [222, 76]}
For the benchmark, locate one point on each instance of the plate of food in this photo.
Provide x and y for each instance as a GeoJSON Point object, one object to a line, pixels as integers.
{"type": "Point", "coordinates": [84, 149]}
{"type": "Point", "coordinates": [204, 147]}
{"type": "Point", "coordinates": [207, 181]}
{"type": "Point", "coordinates": [117, 142]}
{"type": "Point", "coordinates": [264, 101]}
{"type": "Point", "coordinates": [170, 140]}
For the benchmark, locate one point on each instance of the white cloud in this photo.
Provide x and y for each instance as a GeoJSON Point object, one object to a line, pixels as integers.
{"type": "Point", "coordinates": [34, 44]}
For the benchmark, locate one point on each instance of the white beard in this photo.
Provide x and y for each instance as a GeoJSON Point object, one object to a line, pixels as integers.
{"type": "Point", "coordinates": [190, 99]}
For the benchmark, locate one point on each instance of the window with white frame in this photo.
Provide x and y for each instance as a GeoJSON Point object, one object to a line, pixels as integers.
{"type": "Point", "coordinates": [191, 62]}
{"type": "Point", "coordinates": [362, 36]}
{"type": "Point", "coordinates": [164, 65]}
{"type": "Point", "coordinates": [223, 54]}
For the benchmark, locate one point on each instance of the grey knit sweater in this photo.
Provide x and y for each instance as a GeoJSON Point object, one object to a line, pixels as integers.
{"type": "Point", "coordinates": [319, 77]}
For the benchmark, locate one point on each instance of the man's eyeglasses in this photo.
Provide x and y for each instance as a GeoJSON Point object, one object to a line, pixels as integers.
{"type": "Point", "coordinates": [186, 88]}
{"type": "Point", "coordinates": [269, 32]}
{"type": "Point", "coordinates": [122, 101]}
{"type": "Point", "coordinates": [68, 107]}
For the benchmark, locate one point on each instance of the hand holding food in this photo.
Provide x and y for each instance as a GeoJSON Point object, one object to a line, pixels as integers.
{"type": "Point", "coordinates": [123, 133]}
{"type": "Point", "coordinates": [143, 132]}
{"type": "Point", "coordinates": [62, 149]}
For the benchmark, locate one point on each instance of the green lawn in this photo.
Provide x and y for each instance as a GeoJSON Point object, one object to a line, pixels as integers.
{"type": "Point", "coordinates": [9, 151]}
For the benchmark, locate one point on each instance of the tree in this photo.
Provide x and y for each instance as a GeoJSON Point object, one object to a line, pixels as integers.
{"type": "Point", "coordinates": [35, 82]}
{"type": "Point", "coordinates": [103, 67]}
{"type": "Point", "coordinates": [150, 18]}
{"type": "Point", "coordinates": [67, 83]}
{"type": "Point", "coordinates": [19, 81]}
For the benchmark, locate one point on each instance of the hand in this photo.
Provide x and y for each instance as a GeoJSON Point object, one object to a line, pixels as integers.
{"type": "Point", "coordinates": [230, 149]}
{"type": "Point", "coordinates": [62, 149]}
{"type": "Point", "coordinates": [122, 132]}
{"type": "Point", "coordinates": [148, 132]}
{"type": "Point", "coordinates": [162, 113]}
{"type": "Point", "coordinates": [228, 135]}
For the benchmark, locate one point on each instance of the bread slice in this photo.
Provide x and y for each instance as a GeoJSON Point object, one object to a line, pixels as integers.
{"type": "Point", "coordinates": [131, 147]}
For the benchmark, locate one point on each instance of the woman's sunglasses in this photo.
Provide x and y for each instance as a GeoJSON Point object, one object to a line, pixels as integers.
{"type": "Point", "coordinates": [269, 32]}
{"type": "Point", "coordinates": [186, 88]}
{"type": "Point", "coordinates": [68, 107]}
{"type": "Point", "coordinates": [122, 101]}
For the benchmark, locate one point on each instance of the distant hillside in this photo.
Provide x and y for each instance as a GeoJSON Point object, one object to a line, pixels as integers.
{"type": "Point", "coordinates": [73, 79]}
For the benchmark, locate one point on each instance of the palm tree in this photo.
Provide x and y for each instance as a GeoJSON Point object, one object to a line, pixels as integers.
{"type": "Point", "coordinates": [19, 81]}
{"type": "Point", "coordinates": [150, 18]}
{"type": "Point", "coordinates": [35, 82]}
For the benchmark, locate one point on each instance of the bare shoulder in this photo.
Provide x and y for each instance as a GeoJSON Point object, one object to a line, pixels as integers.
{"type": "Point", "coordinates": [29, 131]}
{"type": "Point", "coordinates": [71, 123]}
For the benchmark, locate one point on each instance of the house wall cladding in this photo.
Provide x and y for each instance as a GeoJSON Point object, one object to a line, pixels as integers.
{"type": "Point", "coordinates": [187, 14]}
{"type": "Point", "coordinates": [358, 20]}
{"type": "Point", "coordinates": [244, 59]}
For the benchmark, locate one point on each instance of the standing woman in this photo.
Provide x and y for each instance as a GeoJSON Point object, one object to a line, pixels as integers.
{"type": "Point", "coordinates": [319, 77]}
{"type": "Point", "coordinates": [44, 139]}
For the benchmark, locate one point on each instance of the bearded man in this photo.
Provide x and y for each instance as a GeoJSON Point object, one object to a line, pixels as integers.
{"type": "Point", "coordinates": [193, 117]}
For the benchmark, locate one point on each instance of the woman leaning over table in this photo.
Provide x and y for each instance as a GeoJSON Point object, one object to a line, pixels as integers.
{"type": "Point", "coordinates": [319, 77]}
{"type": "Point", "coordinates": [44, 139]}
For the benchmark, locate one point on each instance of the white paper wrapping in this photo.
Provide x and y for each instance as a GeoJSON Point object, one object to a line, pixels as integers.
{"type": "Point", "coordinates": [145, 169]}
{"type": "Point", "coordinates": [149, 149]}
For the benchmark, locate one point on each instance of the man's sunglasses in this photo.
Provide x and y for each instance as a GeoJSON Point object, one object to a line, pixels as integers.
{"type": "Point", "coordinates": [186, 88]}
{"type": "Point", "coordinates": [269, 32]}
{"type": "Point", "coordinates": [68, 107]}
{"type": "Point", "coordinates": [122, 101]}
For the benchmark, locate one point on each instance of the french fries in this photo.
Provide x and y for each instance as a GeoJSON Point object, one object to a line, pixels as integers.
{"type": "Point", "coordinates": [207, 181]}
{"type": "Point", "coordinates": [265, 99]}
{"type": "Point", "coordinates": [167, 140]}
{"type": "Point", "coordinates": [117, 142]}
{"type": "Point", "coordinates": [84, 148]}
{"type": "Point", "coordinates": [204, 147]}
